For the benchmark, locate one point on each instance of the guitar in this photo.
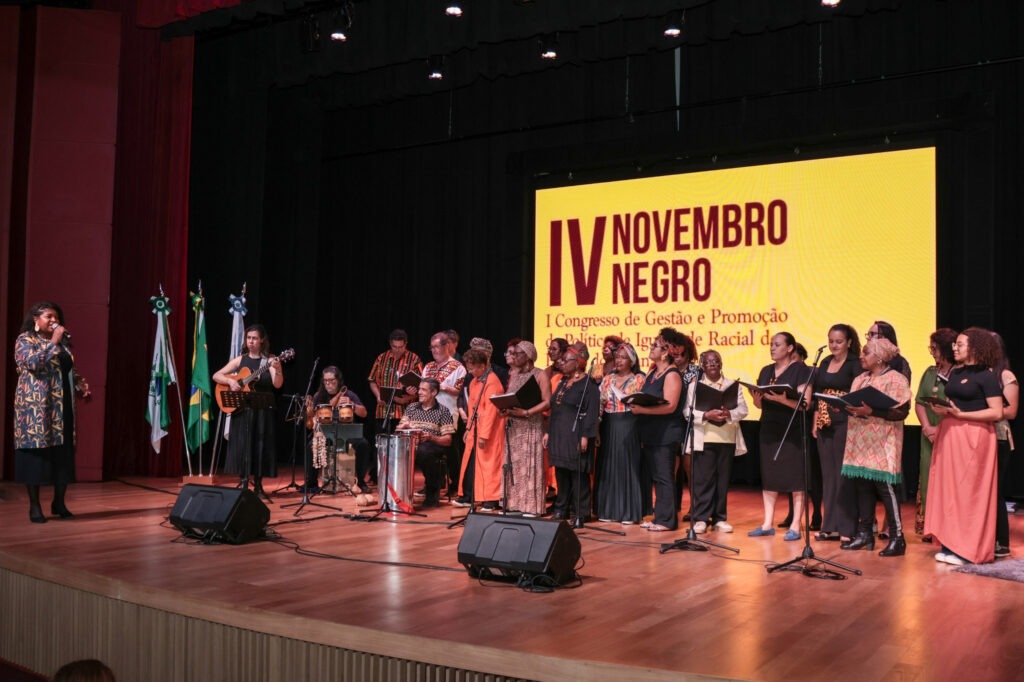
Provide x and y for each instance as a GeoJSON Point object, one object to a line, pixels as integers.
{"type": "Point", "coordinates": [246, 378]}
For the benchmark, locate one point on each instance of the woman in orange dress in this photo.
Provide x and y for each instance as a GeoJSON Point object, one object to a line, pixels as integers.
{"type": "Point", "coordinates": [485, 432]}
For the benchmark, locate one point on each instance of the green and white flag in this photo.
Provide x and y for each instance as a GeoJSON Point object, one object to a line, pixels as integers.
{"type": "Point", "coordinates": [199, 400]}
{"type": "Point", "coordinates": [162, 374]}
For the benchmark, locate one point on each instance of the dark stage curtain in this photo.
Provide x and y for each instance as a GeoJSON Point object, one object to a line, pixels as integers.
{"type": "Point", "coordinates": [358, 197]}
{"type": "Point", "coordinates": [150, 236]}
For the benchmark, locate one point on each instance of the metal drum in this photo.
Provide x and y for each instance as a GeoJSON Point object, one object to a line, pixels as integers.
{"type": "Point", "coordinates": [396, 467]}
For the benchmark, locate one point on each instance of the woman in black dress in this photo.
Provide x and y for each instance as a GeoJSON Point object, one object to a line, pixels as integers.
{"type": "Point", "coordinates": [618, 478]}
{"type": "Point", "coordinates": [251, 448]}
{"type": "Point", "coordinates": [661, 432]}
{"type": "Point", "coordinates": [568, 443]}
{"type": "Point", "coordinates": [44, 408]}
{"type": "Point", "coordinates": [835, 374]}
{"type": "Point", "coordinates": [785, 473]}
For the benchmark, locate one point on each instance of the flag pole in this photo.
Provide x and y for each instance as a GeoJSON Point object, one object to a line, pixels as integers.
{"type": "Point", "coordinates": [177, 392]}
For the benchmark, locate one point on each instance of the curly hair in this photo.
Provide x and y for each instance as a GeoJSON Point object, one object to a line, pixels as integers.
{"type": "Point", "coordinates": [944, 338]}
{"type": "Point", "coordinates": [981, 347]}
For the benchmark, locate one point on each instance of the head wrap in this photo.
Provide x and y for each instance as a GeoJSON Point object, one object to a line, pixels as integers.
{"type": "Point", "coordinates": [631, 352]}
{"type": "Point", "coordinates": [482, 344]}
{"type": "Point", "coordinates": [529, 349]}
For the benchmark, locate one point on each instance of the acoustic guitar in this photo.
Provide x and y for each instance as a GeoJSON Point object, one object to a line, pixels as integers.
{"type": "Point", "coordinates": [247, 378]}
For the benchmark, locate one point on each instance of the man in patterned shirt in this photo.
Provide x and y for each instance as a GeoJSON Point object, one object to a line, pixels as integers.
{"type": "Point", "coordinates": [389, 366]}
{"type": "Point", "coordinates": [435, 425]}
{"type": "Point", "coordinates": [450, 374]}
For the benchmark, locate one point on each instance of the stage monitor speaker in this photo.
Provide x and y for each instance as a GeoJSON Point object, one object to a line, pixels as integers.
{"type": "Point", "coordinates": [232, 515]}
{"type": "Point", "coordinates": [514, 547]}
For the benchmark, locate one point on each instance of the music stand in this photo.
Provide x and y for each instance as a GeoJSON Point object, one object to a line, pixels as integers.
{"type": "Point", "coordinates": [340, 433]}
{"type": "Point", "coordinates": [248, 400]}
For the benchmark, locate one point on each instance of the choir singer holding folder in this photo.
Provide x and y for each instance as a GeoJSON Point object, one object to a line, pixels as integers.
{"type": "Point", "coordinates": [717, 408]}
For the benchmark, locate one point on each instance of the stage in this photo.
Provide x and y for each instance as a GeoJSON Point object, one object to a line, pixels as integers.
{"type": "Point", "coordinates": [329, 598]}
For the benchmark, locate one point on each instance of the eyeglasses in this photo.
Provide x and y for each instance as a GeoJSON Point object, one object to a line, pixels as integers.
{"type": "Point", "coordinates": [932, 348]}
{"type": "Point", "coordinates": [872, 335]}
{"type": "Point", "coordinates": [960, 344]}
{"type": "Point", "coordinates": [435, 346]}
{"type": "Point", "coordinates": [660, 346]}
{"type": "Point", "coordinates": [711, 363]}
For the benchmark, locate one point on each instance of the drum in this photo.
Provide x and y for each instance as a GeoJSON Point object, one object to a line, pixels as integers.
{"type": "Point", "coordinates": [345, 413]}
{"type": "Point", "coordinates": [413, 436]}
{"type": "Point", "coordinates": [324, 414]}
{"type": "Point", "coordinates": [396, 461]}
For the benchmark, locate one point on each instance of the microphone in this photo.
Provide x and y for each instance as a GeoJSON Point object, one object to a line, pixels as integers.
{"type": "Point", "coordinates": [823, 348]}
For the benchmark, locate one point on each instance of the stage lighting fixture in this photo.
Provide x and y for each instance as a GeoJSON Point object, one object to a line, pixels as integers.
{"type": "Point", "coordinates": [549, 46]}
{"type": "Point", "coordinates": [453, 9]}
{"type": "Point", "coordinates": [436, 72]}
{"type": "Point", "coordinates": [674, 24]}
{"type": "Point", "coordinates": [341, 22]}
{"type": "Point", "coordinates": [830, 3]}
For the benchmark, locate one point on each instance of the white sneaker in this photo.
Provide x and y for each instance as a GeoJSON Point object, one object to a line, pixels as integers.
{"type": "Point", "coordinates": [941, 557]}
{"type": "Point", "coordinates": [723, 527]}
{"type": "Point", "coordinates": [953, 560]}
{"type": "Point", "coordinates": [700, 528]}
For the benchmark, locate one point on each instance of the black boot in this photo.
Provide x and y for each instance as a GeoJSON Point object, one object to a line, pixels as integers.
{"type": "Point", "coordinates": [864, 540]}
{"type": "Point", "coordinates": [35, 512]}
{"type": "Point", "coordinates": [897, 546]}
{"type": "Point", "coordinates": [57, 506]}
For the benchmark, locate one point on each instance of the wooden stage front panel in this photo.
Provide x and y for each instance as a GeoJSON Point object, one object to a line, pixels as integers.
{"type": "Point", "coordinates": [330, 598]}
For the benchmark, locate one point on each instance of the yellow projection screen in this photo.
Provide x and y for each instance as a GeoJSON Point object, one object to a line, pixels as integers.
{"type": "Point", "coordinates": [732, 256]}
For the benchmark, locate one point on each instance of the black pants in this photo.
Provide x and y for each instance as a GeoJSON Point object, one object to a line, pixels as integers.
{"type": "Point", "coordinates": [712, 468]}
{"type": "Point", "coordinates": [1002, 516]}
{"type": "Point", "coordinates": [661, 459]}
{"type": "Point", "coordinates": [566, 500]}
{"type": "Point", "coordinates": [431, 459]}
{"type": "Point", "coordinates": [868, 492]}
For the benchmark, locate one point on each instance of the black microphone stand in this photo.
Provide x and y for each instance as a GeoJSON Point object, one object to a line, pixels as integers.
{"type": "Point", "coordinates": [296, 412]}
{"type": "Point", "coordinates": [692, 543]}
{"type": "Point", "coordinates": [473, 458]}
{"type": "Point", "coordinates": [578, 523]}
{"type": "Point", "coordinates": [802, 562]}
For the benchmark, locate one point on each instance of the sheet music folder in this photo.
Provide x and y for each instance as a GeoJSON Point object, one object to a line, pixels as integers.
{"type": "Point", "coordinates": [526, 397]}
{"type": "Point", "coordinates": [869, 395]}
{"type": "Point", "coordinates": [782, 389]}
{"type": "Point", "coordinates": [710, 398]}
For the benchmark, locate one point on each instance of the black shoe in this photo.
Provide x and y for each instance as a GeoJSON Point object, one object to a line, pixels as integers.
{"type": "Point", "coordinates": [896, 547]}
{"type": "Point", "coordinates": [787, 522]}
{"type": "Point", "coordinates": [558, 516]}
{"type": "Point", "coordinates": [60, 510]}
{"type": "Point", "coordinates": [1002, 551]}
{"type": "Point", "coordinates": [862, 541]}
{"type": "Point", "coordinates": [35, 515]}
{"type": "Point", "coordinates": [489, 507]}
{"type": "Point", "coordinates": [431, 501]}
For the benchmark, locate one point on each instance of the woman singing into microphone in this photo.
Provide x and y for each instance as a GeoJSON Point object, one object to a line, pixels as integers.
{"type": "Point", "coordinates": [44, 408]}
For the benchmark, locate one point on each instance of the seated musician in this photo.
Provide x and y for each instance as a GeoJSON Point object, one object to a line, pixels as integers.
{"type": "Point", "coordinates": [435, 426]}
{"type": "Point", "coordinates": [333, 392]}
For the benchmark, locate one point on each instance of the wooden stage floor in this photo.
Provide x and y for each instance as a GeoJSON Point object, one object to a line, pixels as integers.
{"type": "Point", "coordinates": [394, 587]}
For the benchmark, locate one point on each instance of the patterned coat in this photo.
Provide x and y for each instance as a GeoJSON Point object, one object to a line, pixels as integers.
{"type": "Point", "coordinates": [39, 396]}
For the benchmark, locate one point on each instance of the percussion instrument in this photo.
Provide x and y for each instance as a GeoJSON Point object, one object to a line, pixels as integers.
{"type": "Point", "coordinates": [396, 460]}
{"type": "Point", "coordinates": [345, 413]}
{"type": "Point", "coordinates": [324, 414]}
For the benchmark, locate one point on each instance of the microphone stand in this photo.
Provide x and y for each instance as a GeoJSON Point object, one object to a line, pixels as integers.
{"type": "Point", "coordinates": [473, 457]}
{"type": "Point", "coordinates": [802, 562]}
{"type": "Point", "coordinates": [578, 523]}
{"type": "Point", "coordinates": [296, 412]}
{"type": "Point", "coordinates": [307, 499]}
{"type": "Point", "coordinates": [692, 543]}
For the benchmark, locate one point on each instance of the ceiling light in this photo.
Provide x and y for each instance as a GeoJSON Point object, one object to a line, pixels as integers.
{"type": "Point", "coordinates": [436, 72]}
{"type": "Point", "coordinates": [674, 24]}
{"type": "Point", "coordinates": [830, 3]}
{"type": "Point", "coordinates": [549, 46]}
{"type": "Point", "coordinates": [341, 22]}
{"type": "Point", "coordinates": [454, 9]}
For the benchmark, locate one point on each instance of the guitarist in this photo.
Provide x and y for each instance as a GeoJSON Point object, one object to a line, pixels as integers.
{"type": "Point", "coordinates": [251, 448]}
